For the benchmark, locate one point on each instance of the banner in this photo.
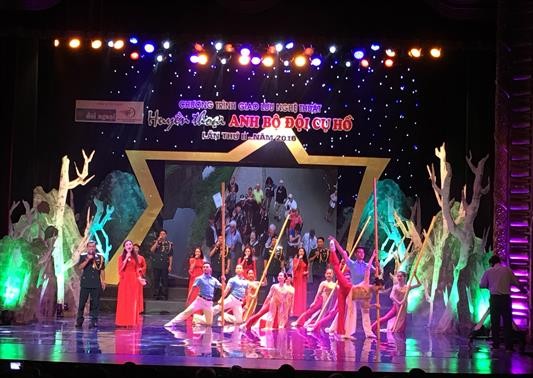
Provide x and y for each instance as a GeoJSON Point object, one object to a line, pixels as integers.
{"type": "Point", "coordinates": [109, 111]}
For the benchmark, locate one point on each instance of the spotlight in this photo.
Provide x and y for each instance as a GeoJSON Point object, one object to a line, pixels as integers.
{"type": "Point", "coordinates": [159, 58]}
{"type": "Point", "coordinates": [256, 60]}
{"type": "Point", "coordinates": [223, 61]}
{"type": "Point", "coordinates": [149, 48]}
{"type": "Point", "coordinates": [390, 52]}
{"type": "Point", "coordinates": [202, 59]}
{"type": "Point", "coordinates": [134, 40]}
{"type": "Point", "coordinates": [289, 45]}
{"type": "Point", "coordinates": [194, 59]}
{"type": "Point", "coordinates": [435, 52]}
{"type": "Point", "coordinates": [96, 44]}
{"type": "Point", "coordinates": [268, 61]}
{"type": "Point", "coordinates": [229, 48]}
{"type": "Point", "coordinates": [110, 44]}
{"type": "Point", "coordinates": [119, 44]}
{"type": "Point", "coordinates": [309, 51]}
{"type": "Point", "coordinates": [166, 45]}
{"type": "Point", "coordinates": [244, 60]}
{"type": "Point", "coordinates": [300, 60]}
{"type": "Point", "coordinates": [218, 46]}
{"type": "Point", "coordinates": [198, 47]}
{"type": "Point", "coordinates": [358, 54]}
{"type": "Point", "coordinates": [415, 52]}
{"type": "Point", "coordinates": [286, 63]}
{"type": "Point", "coordinates": [134, 55]}
{"type": "Point", "coordinates": [245, 51]}
{"type": "Point", "coordinates": [56, 42]}
{"type": "Point", "coordinates": [348, 63]}
{"type": "Point", "coordinates": [316, 62]}
{"type": "Point", "coordinates": [271, 49]}
{"type": "Point", "coordinates": [279, 47]}
{"type": "Point", "coordinates": [374, 47]}
{"type": "Point", "coordinates": [74, 43]}
{"type": "Point", "coordinates": [389, 62]}
{"type": "Point", "coordinates": [364, 63]}
{"type": "Point", "coordinates": [332, 49]}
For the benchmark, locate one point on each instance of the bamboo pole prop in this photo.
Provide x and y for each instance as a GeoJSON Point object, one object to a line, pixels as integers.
{"type": "Point", "coordinates": [265, 270]}
{"type": "Point", "coordinates": [376, 251]}
{"type": "Point", "coordinates": [325, 305]}
{"type": "Point", "coordinates": [223, 250]}
{"type": "Point", "coordinates": [413, 274]}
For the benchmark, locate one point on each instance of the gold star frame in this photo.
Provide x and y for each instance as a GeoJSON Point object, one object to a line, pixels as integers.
{"type": "Point", "coordinates": [374, 167]}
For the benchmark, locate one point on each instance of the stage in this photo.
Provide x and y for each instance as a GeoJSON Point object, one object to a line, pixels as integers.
{"type": "Point", "coordinates": [153, 345]}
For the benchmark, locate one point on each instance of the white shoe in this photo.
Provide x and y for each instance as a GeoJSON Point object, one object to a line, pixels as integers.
{"type": "Point", "coordinates": [371, 336]}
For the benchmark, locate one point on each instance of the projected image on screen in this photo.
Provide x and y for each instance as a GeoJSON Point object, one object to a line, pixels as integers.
{"type": "Point", "coordinates": [256, 198]}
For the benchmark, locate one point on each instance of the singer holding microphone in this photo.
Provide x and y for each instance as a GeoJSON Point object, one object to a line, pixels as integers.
{"type": "Point", "coordinates": [129, 287]}
{"type": "Point", "coordinates": [162, 264]}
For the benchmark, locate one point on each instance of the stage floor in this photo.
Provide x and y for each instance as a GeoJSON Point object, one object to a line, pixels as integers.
{"type": "Point", "coordinates": [152, 344]}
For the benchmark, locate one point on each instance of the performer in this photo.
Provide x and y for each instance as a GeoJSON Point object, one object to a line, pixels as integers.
{"type": "Point", "coordinates": [300, 273]}
{"type": "Point", "coordinates": [234, 296]}
{"type": "Point", "coordinates": [398, 297]}
{"type": "Point", "coordinates": [277, 263]}
{"type": "Point", "coordinates": [247, 260]}
{"type": "Point", "coordinates": [162, 264]}
{"type": "Point", "coordinates": [216, 259]}
{"type": "Point", "coordinates": [318, 260]}
{"type": "Point", "coordinates": [498, 279]}
{"type": "Point", "coordinates": [204, 301]}
{"type": "Point", "coordinates": [281, 303]}
{"type": "Point", "coordinates": [196, 262]}
{"type": "Point", "coordinates": [142, 275]}
{"type": "Point", "coordinates": [128, 306]}
{"type": "Point", "coordinates": [360, 293]}
{"type": "Point", "coordinates": [92, 265]}
{"type": "Point", "coordinates": [322, 294]}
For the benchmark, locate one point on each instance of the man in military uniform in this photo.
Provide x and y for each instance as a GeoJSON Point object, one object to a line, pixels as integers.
{"type": "Point", "coordinates": [92, 266]}
{"type": "Point", "coordinates": [319, 259]}
{"type": "Point", "coordinates": [162, 264]}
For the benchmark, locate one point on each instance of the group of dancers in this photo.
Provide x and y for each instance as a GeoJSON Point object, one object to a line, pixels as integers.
{"type": "Point", "coordinates": [334, 307]}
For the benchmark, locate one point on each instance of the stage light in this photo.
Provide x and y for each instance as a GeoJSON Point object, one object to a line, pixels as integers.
{"type": "Point", "coordinates": [229, 48]}
{"type": "Point", "coordinates": [364, 63]}
{"type": "Point", "coordinates": [149, 48]}
{"type": "Point", "coordinates": [202, 59]}
{"type": "Point", "coordinates": [74, 43]}
{"type": "Point", "coordinates": [271, 49]}
{"type": "Point", "coordinates": [166, 45]}
{"type": "Point", "coordinates": [415, 52]}
{"type": "Point", "coordinates": [245, 51]}
{"type": "Point", "coordinates": [289, 45]}
{"type": "Point", "coordinates": [223, 61]}
{"type": "Point", "coordinates": [374, 47]}
{"type": "Point", "coordinates": [332, 49]}
{"type": "Point", "coordinates": [256, 60]}
{"type": "Point", "coordinates": [348, 63]}
{"type": "Point", "coordinates": [159, 58]}
{"type": "Point", "coordinates": [435, 52]}
{"type": "Point", "coordinates": [390, 52]}
{"type": "Point", "coordinates": [244, 60]}
{"type": "Point", "coordinates": [194, 59]}
{"type": "Point", "coordinates": [309, 51]}
{"type": "Point", "coordinates": [300, 60]}
{"type": "Point", "coordinates": [96, 44]}
{"type": "Point", "coordinates": [279, 47]}
{"type": "Point", "coordinates": [268, 61]}
{"type": "Point", "coordinates": [110, 44]}
{"type": "Point", "coordinates": [134, 40]}
{"type": "Point", "coordinates": [286, 63]}
{"type": "Point", "coordinates": [316, 62]}
{"type": "Point", "coordinates": [218, 46]}
{"type": "Point", "coordinates": [134, 55]}
{"type": "Point", "coordinates": [389, 62]}
{"type": "Point", "coordinates": [198, 47]}
{"type": "Point", "coordinates": [358, 54]}
{"type": "Point", "coordinates": [56, 42]}
{"type": "Point", "coordinates": [119, 44]}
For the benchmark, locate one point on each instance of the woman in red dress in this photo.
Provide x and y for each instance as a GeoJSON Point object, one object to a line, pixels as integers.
{"type": "Point", "coordinates": [247, 260]}
{"type": "Point", "coordinates": [196, 262]}
{"type": "Point", "coordinates": [128, 306]}
{"type": "Point", "coordinates": [300, 272]}
{"type": "Point", "coordinates": [142, 275]}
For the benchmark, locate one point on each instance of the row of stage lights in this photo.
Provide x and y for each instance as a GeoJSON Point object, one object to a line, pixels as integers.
{"type": "Point", "coordinates": [225, 52]}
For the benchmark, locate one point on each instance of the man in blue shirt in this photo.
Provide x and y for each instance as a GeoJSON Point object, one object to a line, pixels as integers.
{"type": "Point", "coordinates": [204, 301]}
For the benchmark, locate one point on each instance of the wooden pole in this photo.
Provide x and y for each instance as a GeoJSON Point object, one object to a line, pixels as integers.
{"type": "Point", "coordinates": [223, 249]}
{"type": "Point", "coordinates": [253, 302]}
{"type": "Point", "coordinates": [376, 249]}
{"type": "Point", "coordinates": [343, 269]}
{"type": "Point", "coordinates": [413, 273]}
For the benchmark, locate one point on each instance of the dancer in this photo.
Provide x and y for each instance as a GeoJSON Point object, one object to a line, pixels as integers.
{"type": "Point", "coordinates": [247, 260]}
{"type": "Point", "coordinates": [92, 265]}
{"type": "Point", "coordinates": [300, 272]}
{"type": "Point", "coordinates": [196, 262]}
{"type": "Point", "coordinates": [398, 296]}
{"type": "Point", "coordinates": [128, 306]}
{"type": "Point", "coordinates": [204, 301]}
{"type": "Point", "coordinates": [233, 297]}
{"type": "Point", "coordinates": [324, 290]}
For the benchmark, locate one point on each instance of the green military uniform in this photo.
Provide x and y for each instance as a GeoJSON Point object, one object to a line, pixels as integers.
{"type": "Point", "coordinates": [160, 262]}
{"type": "Point", "coordinates": [90, 286]}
